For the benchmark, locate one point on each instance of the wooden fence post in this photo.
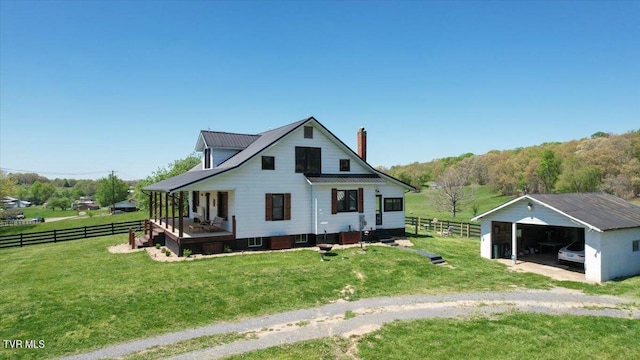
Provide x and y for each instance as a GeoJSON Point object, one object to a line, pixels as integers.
{"type": "Point", "coordinates": [55, 238]}
{"type": "Point", "coordinates": [20, 239]}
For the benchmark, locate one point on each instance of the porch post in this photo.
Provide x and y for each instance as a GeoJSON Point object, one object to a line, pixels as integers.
{"type": "Point", "coordinates": [166, 208]}
{"type": "Point", "coordinates": [173, 212]}
{"type": "Point", "coordinates": [180, 214]}
{"type": "Point", "coordinates": [151, 205]}
{"type": "Point", "coordinates": [514, 242]}
{"type": "Point", "coordinates": [155, 206]}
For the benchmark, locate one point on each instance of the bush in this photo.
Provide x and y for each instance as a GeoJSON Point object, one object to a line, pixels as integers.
{"type": "Point", "coordinates": [158, 246]}
{"type": "Point", "coordinates": [227, 249]}
{"type": "Point", "coordinates": [186, 252]}
{"type": "Point", "coordinates": [168, 252]}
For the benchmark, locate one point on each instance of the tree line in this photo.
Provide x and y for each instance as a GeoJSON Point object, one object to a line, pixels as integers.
{"type": "Point", "coordinates": [603, 162]}
{"type": "Point", "coordinates": [61, 193]}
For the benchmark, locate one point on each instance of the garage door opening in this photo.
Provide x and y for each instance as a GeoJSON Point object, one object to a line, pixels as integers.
{"type": "Point", "coordinates": [538, 244]}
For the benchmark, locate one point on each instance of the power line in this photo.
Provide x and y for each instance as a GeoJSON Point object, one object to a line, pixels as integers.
{"type": "Point", "coordinates": [56, 173]}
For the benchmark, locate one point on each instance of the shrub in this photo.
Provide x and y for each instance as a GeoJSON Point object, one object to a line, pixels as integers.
{"type": "Point", "coordinates": [186, 252]}
{"type": "Point", "coordinates": [158, 246]}
{"type": "Point", "coordinates": [168, 252]}
{"type": "Point", "coordinates": [227, 249]}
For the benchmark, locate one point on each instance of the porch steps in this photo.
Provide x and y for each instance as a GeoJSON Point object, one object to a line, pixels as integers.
{"type": "Point", "coordinates": [434, 258]}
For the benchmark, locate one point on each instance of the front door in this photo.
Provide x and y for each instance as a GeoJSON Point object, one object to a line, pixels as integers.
{"type": "Point", "coordinates": [378, 209]}
{"type": "Point", "coordinates": [223, 205]}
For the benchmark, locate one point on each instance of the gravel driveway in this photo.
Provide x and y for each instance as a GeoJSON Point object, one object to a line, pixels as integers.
{"type": "Point", "coordinates": [370, 314]}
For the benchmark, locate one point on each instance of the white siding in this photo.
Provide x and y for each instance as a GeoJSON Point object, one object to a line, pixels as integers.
{"type": "Point", "coordinates": [617, 258]}
{"type": "Point", "coordinates": [248, 185]}
{"type": "Point", "coordinates": [222, 155]}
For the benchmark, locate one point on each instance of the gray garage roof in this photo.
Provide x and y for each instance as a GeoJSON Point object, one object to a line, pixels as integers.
{"type": "Point", "coordinates": [601, 211]}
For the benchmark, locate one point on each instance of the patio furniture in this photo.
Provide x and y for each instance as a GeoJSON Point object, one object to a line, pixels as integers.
{"type": "Point", "coordinates": [214, 225]}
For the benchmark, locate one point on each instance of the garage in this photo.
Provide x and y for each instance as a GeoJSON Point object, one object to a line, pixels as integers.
{"type": "Point", "coordinates": [603, 232]}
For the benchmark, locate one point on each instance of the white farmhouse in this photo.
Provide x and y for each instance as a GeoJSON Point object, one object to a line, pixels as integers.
{"type": "Point", "coordinates": [297, 185]}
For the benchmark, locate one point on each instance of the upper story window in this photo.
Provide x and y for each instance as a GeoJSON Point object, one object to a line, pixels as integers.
{"type": "Point", "coordinates": [268, 163]}
{"type": "Point", "coordinates": [207, 158]}
{"type": "Point", "coordinates": [308, 160]}
{"type": "Point", "coordinates": [308, 132]}
{"type": "Point", "coordinates": [345, 165]}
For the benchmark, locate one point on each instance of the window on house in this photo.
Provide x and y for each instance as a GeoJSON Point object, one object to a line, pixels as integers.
{"type": "Point", "coordinates": [345, 165]}
{"type": "Point", "coordinates": [308, 132]}
{"type": "Point", "coordinates": [636, 245]}
{"type": "Point", "coordinates": [255, 242]}
{"type": "Point", "coordinates": [300, 239]}
{"type": "Point", "coordinates": [268, 163]}
{"type": "Point", "coordinates": [308, 160]}
{"type": "Point", "coordinates": [393, 204]}
{"type": "Point", "coordinates": [207, 158]}
{"type": "Point", "coordinates": [347, 200]}
{"type": "Point", "coordinates": [277, 207]}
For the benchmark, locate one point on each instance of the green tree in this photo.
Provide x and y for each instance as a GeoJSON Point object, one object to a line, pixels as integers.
{"type": "Point", "coordinates": [175, 168]}
{"type": "Point", "coordinates": [111, 190]}
{"type": "Point", "coordinates": [40, 192]}
{"type": "Point", "coordinates": [549, 169]}
{"type": "Point", "coordinates": [7, 186]}
{"type": "Point", "coordinates": [59, 202]}
{"type": "Point", "coordinates": [578, 177]}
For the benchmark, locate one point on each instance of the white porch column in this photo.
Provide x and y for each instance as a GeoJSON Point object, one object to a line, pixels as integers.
{"type": "Point", "coordinates": [514, 242]}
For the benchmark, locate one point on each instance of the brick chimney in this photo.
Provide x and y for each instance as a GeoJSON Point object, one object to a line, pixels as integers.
{"type": "Point", "coordinates": [362, 143]}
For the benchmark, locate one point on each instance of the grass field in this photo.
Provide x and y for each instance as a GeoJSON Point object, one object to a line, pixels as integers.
{"type": "Point", "coordinates": [419, 204]}
{"type": "Point", "coordinates": [97, 218]}
{"type": "Point", "coordinates": [77, 296]}
{"type": "Point", "coordinates": [508, 336]}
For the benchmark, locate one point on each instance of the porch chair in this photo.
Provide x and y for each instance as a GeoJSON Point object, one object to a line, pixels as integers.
{"type": "Point", "coordinates": [214, 225]}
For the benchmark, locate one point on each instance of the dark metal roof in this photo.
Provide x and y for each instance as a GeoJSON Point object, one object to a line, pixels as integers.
{"type": "Point", "coordinates": [345, 178]}
{"type": "Point", "coordinates": [227, 140]}
{"type": "Point", "coordinates": [259, 143]}
{"type": "Point", "coordinates": [600, 210]}
{"type": "Point", "coordinates": [194, 175]}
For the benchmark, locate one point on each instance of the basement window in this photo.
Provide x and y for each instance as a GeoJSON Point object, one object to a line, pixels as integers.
{"type": "Point", "coordinates": [636, 245]}
{"type": "Point", "coordinates": [255, 242]}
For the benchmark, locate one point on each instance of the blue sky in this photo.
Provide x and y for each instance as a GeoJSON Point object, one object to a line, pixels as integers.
{"type": "Point", "coordinates": [87, 87]}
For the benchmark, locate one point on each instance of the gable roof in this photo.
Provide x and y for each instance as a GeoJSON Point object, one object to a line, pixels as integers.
{"type": "Point", "coordinates": [217, 139]}
{"type": "Point", "coordinates": [255, 145]}
{"type": "Point", "coordinates": [600, 211]}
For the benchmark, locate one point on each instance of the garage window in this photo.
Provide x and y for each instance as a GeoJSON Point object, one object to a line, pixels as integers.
{"type": "Point", "coordinates": [636, 245]}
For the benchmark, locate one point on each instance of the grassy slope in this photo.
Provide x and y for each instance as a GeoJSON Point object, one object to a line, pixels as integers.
{"type": "Point", "coordinates": [77, 296]}
{"type": "Point", "coordinates": [418, 204]}
{"type": "Point", "coordinates": [507, 336]}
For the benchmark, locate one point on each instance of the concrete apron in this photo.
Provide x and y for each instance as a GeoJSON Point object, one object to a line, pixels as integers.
{"type": "Point", "coordinates": [555, 272]}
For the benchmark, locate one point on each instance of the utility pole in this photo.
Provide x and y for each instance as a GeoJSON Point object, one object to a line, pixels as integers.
{"type": "Point", "coordinates": [113, 190]}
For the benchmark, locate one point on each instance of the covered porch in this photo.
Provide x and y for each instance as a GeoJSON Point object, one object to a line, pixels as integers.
{"type": "Point", "coordinates": [169, 224]}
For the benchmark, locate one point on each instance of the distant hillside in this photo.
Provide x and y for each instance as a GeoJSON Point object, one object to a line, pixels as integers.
{"type": "Point", "coordinates": [603, 162]}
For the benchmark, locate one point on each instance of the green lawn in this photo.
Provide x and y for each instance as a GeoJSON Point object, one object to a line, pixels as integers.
{"type": "Point", "coordinates": [95, 218]}
{"type": "Point", "coordinates": [508, 336]}
{"type": "Point", "coordinates": [418, 204]}
{"type": "Point", "coordinates": [76, 296]}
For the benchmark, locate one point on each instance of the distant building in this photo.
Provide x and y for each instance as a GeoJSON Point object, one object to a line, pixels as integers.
{"type": "Point", "coordinates": [13, 203]}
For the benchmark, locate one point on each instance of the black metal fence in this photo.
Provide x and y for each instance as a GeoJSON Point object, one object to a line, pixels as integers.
{"type": "Point", "coordinates": [83, 232]}
{"type": "Point", "coordinates": [445, 227]}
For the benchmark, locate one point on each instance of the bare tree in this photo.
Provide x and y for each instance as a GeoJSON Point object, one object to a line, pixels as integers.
{"type": "Point", "coordinates": [453, 193]}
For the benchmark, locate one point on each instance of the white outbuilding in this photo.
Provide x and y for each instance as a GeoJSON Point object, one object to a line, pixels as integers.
{"type": "Point", "coordinates": [534, 223]}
